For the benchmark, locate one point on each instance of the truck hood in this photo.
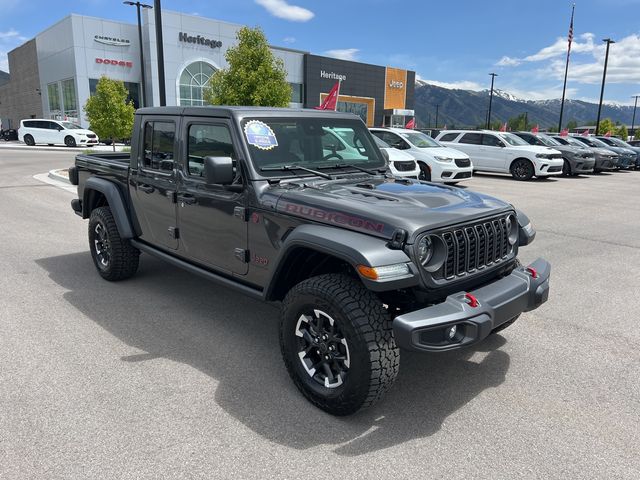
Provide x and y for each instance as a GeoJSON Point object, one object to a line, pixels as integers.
{"type": "Point", "coordinates": [378, 206]}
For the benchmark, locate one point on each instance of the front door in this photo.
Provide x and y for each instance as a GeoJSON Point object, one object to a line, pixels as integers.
{"type": "Point", "coordinates": [211, 218]}
{"type": "Point", "coordinates": [494, 156]}
{"type": "Point", "coordinates": [154, 183]}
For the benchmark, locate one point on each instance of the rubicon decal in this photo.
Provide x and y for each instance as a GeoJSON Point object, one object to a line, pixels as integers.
{"type": "Point", "coordinates": [119, 63]}
{"type": "Point", "coordinates": [334, 217]}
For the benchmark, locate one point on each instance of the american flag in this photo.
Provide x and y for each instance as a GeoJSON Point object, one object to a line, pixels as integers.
{"type": "Point", "coordinates": [570, 36]}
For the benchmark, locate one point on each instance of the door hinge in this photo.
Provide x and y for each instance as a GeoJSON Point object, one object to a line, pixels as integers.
{"type": "Point", "coordinates": [241, 254]}
{"type": "Point", "coordinates": [241, 213]}
{"type": "Point", "coordinates": [174, 232]}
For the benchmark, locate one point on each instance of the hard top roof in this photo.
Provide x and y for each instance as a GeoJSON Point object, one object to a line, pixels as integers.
{"type": "Point", "coordinates": [241, 112]}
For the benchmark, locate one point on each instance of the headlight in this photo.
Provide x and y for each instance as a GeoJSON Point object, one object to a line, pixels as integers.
{"type": "Point", "coordinates": [425, 250]}
{"type": "Point", "coordinates": [512, 229]}
{"type": "Point", "coordinates": [543, 155]}
{"type": "Point", "coordinates": [444, 159]}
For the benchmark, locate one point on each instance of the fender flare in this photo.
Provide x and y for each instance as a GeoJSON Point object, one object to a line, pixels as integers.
{"type": "Point", "coordinates": [115, 201]}
{"type": "Point", "coordinates": [352, 247]}
{"type": "Point", "coordinates": [525, 236]}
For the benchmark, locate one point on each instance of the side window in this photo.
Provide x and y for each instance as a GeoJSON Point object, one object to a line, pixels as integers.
{"type": "Point", "coordinates": [29, 124]}
{"type": "Point", "coordinates": [207, 140]}
{"type": "Point", "coordinates": [40, 124]}
{"type": "Point", "coordinates": [159, 140]}
{"type": "Point", "coordinates": [396, 141]}
{"type": "Point", "coordinates": [53, 126]}
{"type": "Point", "coordinates": [491, 141]}
{"type": "Point", "coordinates": [471, 138]}
{"type": "Point", "coordinates": [449, 137]}
{"type": "Point", "coordinates": [331, 143]}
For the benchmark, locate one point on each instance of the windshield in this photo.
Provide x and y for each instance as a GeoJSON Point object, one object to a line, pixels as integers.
{"type": "Point", "coordinates": [70, 126]}
{"type": "Point", "coordinates": [381, 143]}
{"type": "Point", "coordinates": [512, 139]}
{"type": "Point", "coordinates": [574, 142]}
{"type": "Point", "coordinates": [310, 142]}
{"type": "Point", "coordinates": [619, 143]}
{"type": "Point", "coordinates": [548, 141]}
{"type": "Point", "coordinates": [420, 139]}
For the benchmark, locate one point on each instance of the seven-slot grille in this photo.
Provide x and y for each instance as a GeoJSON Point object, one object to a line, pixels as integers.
{"type": "Point", "coordinates": [463, 162]}
{"type": "Point", "coordinates": [404, 166]}
{"type": "Point", "coordinates": [474, 247]}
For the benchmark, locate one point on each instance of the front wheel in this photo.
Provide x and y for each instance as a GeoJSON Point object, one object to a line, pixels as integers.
{"type": "Point", "coordinates": [425, 172]}
{"type": "Point", "coordinates": [337, 343]}
{"type": "Point", "coordinates": [566, 168]}
{"type": "Point", "coordinates": [69, 141]}
{"type": "Point", "coordinates": [114, 257]}
{"type": "Point", "coordinates": [522, 169]}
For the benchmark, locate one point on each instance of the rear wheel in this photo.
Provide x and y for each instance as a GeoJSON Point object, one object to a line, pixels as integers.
{"type": "Point", "coordinates": [114, 257]}
{"type": "Point", "coordinates": [522, 169]}
{"type": "Point", "coordinates": [566, 168]}
{"type": "Point", "coordinates": [337, 343]}
{"type": "Point", "coordinates": [28, 139]}
{"type": "Point", "coordinates": [425, 172]}
{"type": "Point", "coordinates": [69, 141]}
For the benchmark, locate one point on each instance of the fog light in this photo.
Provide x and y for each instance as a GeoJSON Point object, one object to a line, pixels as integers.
{"type": "Point", "coordinates": [450, 333]}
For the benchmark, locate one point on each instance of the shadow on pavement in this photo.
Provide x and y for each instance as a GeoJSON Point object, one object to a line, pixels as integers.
{"type": "Point", "coordinates": [506, 176]}
{"type": "Point", "coordinates": [170, 314]}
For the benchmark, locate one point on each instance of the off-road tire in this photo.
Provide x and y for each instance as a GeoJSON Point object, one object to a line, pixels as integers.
{"type": "Point", "coordinates": [69, 141]}
{"type": "Point", "coordinates": [522, 169]}
{"type": "Point", "coordinates": [425, 172]}
{"type": "Point", "coordinates": [366, 326]}
{"type": "Point", "coordinates": [123, 258]}
{"type": "Point", "coordinates": [28, 139]}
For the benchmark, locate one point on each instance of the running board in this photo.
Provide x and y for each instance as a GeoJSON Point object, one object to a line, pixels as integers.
{"type": "Point", "coordinates": [214, 277]}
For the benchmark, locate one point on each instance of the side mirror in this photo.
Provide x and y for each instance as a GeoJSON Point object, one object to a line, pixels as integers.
{"type": "Point", "coordinates": [385, 154]}
{"type": "Point", "coordinates": [59, 129]}
{"type": "Point", "coordinates": [218, 170]}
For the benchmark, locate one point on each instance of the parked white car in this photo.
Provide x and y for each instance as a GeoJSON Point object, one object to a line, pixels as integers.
{"type": "Point", "coordinates": [437, 163]}
{"type": "Point", "coordinates": [340, 141]}
{"type": "Point", "coordinates": [502, 152]}
{"type": "Point", "coordinates": [55, 132]}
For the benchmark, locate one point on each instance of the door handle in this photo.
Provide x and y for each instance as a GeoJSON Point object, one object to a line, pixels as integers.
{"type": "Point", "coordinates": [187, 199]}
{"type": "Point", "coordinates": [146, 188]}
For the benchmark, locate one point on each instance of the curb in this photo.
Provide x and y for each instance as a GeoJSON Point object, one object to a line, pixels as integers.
{"type": "Point", "coordinates": [58, 176]}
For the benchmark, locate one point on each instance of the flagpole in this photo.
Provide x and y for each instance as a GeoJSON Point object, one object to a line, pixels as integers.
{"type": "Point", "coordinates": [566, 68]}
{"type": "Point", "coordinates": [335, 109]}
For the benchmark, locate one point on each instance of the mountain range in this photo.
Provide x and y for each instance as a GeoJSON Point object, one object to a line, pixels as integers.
{"type": "Point", "coordinates": [468, 108]}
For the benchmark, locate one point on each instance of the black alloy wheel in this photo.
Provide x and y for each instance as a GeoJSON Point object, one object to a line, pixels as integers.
{"type": "Point", "coordinates": [566, 168]}
{"type": "Point", "coordinates": [69, 141]}
{"type": "Point", "coordinates": [114, 257]}
{"type": "Point", "coordinates": [101, 246]}
{"type": "Point", "coordinates": [28, 139]}
{"type": "Point", "coordinates": [425, 172]}
{"type": "Point", "coordinates": [522, 169]}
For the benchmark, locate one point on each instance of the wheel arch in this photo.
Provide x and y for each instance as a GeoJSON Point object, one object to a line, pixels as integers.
{"type": "Point", "coordinates": [522, 158]}
{"type": "Point", "coordinates": [99, 192]}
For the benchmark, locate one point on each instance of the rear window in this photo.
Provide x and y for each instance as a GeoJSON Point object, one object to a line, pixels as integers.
{"type": "Point", "coordinates": [449, 137]}
{"type": "Point", "coordinates": [29, 124]}
{"type": "Point", "coordinates": [471, 138]}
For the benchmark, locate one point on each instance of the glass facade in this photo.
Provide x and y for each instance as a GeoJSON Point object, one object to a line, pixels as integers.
{"type": "Point", "coordinates": [357, 108]}
{"type": "Point", "coordinates": [62, 100]}
{"type": "Point", "coordinates": [193, 81]}
{"type": "Point", "coordinates": [53, 95]}
{"type": "Point", "coordinates": [297, 92]}
{"type": "Point", "coordinates": [133, 91]}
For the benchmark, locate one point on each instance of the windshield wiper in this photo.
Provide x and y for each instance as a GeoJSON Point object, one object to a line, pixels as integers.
{"type": "Point", "coordinates": [355, 167]}
{"type": "Point", "coordinates": [287, 168]}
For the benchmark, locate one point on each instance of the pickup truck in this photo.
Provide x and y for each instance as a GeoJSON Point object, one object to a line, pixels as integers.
{"type": "Point", "coordinates": [362, 263]}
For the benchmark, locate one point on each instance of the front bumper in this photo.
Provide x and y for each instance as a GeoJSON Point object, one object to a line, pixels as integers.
{"type": "Point", "coordinates": [497, 303]}
{"type": "Point", "coordinates": [583, 165]}
{"type": "Point", "coordinates": [546, 167]}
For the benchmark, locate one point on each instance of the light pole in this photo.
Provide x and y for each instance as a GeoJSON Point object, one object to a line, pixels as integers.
{"type": "Point", "coordinates": [437, 107]}
{"type": "Point", "coordinates": [604, 77]}
{"type": "Point", "coordinates": [633, 119]}
{"type": "Point", "coordinates": [159, 46]}
{"type": "Point", "coordinates": [138, 5]}
{"type": "Point", "coordinates": [493, 77]}
{"type": "Point", "coordinates": [526, 120]}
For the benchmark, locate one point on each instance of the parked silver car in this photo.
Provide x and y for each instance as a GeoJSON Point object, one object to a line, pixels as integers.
{"type": "Point", "coordinates": [605, 159]}
{"type": "Point", "coordinates": [577, 160]}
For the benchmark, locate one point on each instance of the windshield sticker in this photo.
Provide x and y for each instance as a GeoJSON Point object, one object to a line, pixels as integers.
{"type": "Point", "coordinates": [260, 135]}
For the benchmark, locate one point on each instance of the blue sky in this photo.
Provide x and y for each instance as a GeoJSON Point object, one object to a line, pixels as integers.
{"type": "Point", "coordinates": [453, 44]}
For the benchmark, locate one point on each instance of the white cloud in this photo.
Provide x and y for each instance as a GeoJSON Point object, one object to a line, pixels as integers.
{"type": "Point", "coordinates": [461, 85]}
{"type": "Point", "coordinates": [289, 39]}
{"type": "Point", "coordinates": [11, 33]}
{"type": "Point", "coordinates": [508, 62]}
{"type": "Point", "coordinates": [281, 9]}
{"type": "Point", "coordinates": [343, 54]}
{"type": "Point", "coordinates": [557, 49]}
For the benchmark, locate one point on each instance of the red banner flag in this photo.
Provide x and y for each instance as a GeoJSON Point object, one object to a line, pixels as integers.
{"type": "Point", "coordinates": [608, 134]}
{"type": "Point", "coordinates": [585, 133]}
{"type": "Point", "coordinates": [445, 127]}
{"type": "Point", "coordinates": [331, 100]}
{"type": "Point", "coordinates": [535, 130]}
{"type": "Point", "coordinates": [564, 133]}
{"type": "Point", "coordinates": [411, 124]}
{"type": "Point", "coordinates": [503, 127]}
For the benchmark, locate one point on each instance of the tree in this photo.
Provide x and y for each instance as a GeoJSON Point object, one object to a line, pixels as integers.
{"type": "Point", "coordinates": [572, 124]}
{"type": "Point", "coordinates": [622, 132]}
{"type": "Point", "coordinates": [254, 76]}
{"type": "Point", "coordinates": [109, 113]}
{"type": "Point", "coordinates": [518, 123]}
{"type": "Point", "coordinates": [606, 125]}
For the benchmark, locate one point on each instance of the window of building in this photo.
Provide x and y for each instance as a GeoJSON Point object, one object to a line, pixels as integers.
{"type": "Point", "coordinates": [207, 141]}
{"type": "Point", "coordinates": [193, 81]}
{"type": "Point", "coordinates": [357, 108]}
{"type": "Point", "coordinates": [297, 92]}
{"type": "Point", "coordinates": [133, 91]}
{"type": "Point", "coordinates": [159, 142]}
{"type": "Point", "coordinates": [53, 95]}
{"type": "Point", "coordinates": [471, 138]}
{"type": "Point", "coordinates": [69, 100]}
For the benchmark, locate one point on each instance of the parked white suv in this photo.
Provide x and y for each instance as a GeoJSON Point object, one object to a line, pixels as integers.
{"type": "Point", "coordinates": [54, 132]}
{"type": "Point", "coordinates": [501, 152]}
{"type": "Point", "coordinates": [437, 163]}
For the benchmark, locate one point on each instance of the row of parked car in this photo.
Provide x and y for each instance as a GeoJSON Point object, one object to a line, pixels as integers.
{"type": "Point", "coordinates": [454, 155]}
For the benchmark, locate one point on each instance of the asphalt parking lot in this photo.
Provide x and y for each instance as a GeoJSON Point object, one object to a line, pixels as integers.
{"type": "Point", "coordinates": [168, 376]}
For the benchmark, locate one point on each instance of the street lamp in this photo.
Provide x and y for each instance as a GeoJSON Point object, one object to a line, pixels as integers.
{"type": "Point", "coordinates": [160, 47]}
{"type": "Point", "coordinates": [139, 5]}
{"type": "Point", "coordinates": [437, 107]}
{"type": "Point", "coordinates": [608, 41]}
{"type": "Point", "coordinates": [493, 76]}
{"type": "Point", "coordinates": [633, 119]}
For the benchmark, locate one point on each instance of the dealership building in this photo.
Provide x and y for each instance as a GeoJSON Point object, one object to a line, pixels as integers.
{"type": "Point", "coordinates": [53, 75]}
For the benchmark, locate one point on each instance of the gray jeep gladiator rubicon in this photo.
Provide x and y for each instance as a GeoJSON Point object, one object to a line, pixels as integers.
{"type": "Point", "coordinates": [269, 202]}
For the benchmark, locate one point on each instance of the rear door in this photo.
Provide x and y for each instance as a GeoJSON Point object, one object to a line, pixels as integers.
{"type": "Point", "coordinates": [471, 144]}
{"type": "Point", "coordinates": [211, 218]}
{"type": "Point", "coordinates": [153, 182]}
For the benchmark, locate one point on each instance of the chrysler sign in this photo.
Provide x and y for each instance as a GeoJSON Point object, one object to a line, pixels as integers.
{"type": "Point", "coordinates": [199, 40]}
{"type": "Point", "coordinates": [118, 42]}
